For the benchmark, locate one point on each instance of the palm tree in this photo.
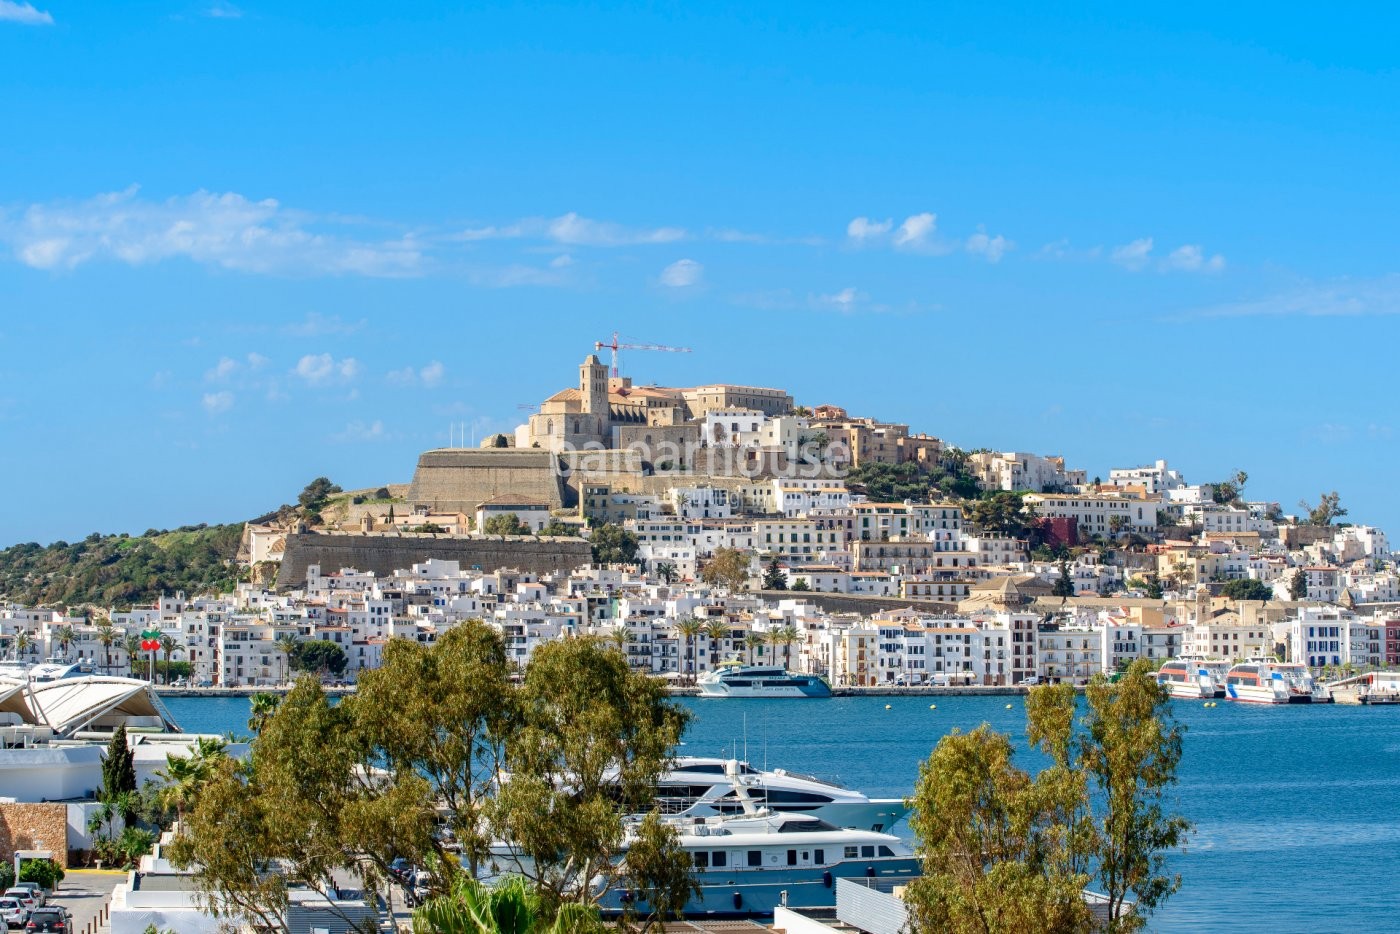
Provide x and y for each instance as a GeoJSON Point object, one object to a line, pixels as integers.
{"type": "Point", "coordinates": [23, 643]}
{"type": "Point", "coordinates": [510, 907]}
{"type": "Point", "coordinates": [689, 629]}
{"type": "Point", "coordinates": [132, 644]}
{"type": "Point", "coordinates": [264, 706]}
{"type": "Point", "coordinates": [787, 636]}
{"type": "Point", "coordinates": [716, 629]}
{"type": "Point", "coordinates": [752, 640]}
{"type": "Point", "coordinates": [168, 645]}
{"type": "Point", "coordinates": [65, 637]}
{"type": "Point", "coordinates": [107, 635]}
{"type": "Point", "coordinates": [185, 776]}
{"type": "Point", "coordinates": [286, 643]}
{"type": "Point", "coordinates": [666, 571]}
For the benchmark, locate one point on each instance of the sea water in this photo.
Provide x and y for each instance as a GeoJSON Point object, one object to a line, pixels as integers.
{"type": "Point", "coordinates": [1296, 808]}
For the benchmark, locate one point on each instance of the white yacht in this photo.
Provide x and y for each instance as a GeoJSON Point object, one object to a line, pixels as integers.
{"type": "Point", "coordinates": [746, 866]}
{"type": "Point", "coordinates": [704, 787]}
{"type": "Point", "coordinates": [1266, 681]}
{"type": "Point", "coordinates": [760, 681]}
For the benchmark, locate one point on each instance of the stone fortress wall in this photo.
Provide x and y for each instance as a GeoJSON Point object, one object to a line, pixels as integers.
{"type": "Point", "coordinates": [385, 554]}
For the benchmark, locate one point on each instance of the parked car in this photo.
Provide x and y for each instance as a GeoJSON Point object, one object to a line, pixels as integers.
{"type": "Point", "coordinates": [41, 897]}
{"type": "Point", "coordinates": [13, 912]}
{"type": "Point", "coordinates": [1032, 681]}
{"type": "Point", "coordinates": [51, 918]}
{"type": "Point", "coordinates": [24, 896]}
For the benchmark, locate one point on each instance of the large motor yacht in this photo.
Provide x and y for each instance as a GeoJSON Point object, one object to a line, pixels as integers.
{"type": "Point", "coordinates": [760, 681]}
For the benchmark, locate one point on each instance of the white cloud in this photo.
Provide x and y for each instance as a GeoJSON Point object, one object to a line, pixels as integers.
{"type": "Point", "coordinates": [1339, 298]}
{"type": "Point", "coordinates": [24, 13]}
{"type": "Point", "coordinates": [221, 370]}
{"type": "Point", "coordinates": [916, 231]}
{"type": "Point", "coordinates": [1191, 258]}
{"type": "Point", "coordinates": [319, 369]}
{"type": "Point", "coordinates": [1133, 255]}
{"type": "Point", "coordinates": [845, 300]}
{"type": "Point", "coordinates": [993, 248]}
{"type": "Point", "coordinates": [519, 274]}
{"type": "Point", "coordinates": [223, 10]}
{"type": "Point", "coordinates": [362, 431]}
{"type": "Point", "coordinates": [682, 274]}
{"type": "Point", "coordinates": [562, 261]}
{"type": "Point", "coordinates": [430, 375]}
{"type": "Point", "coordinates": [316, 324]}
{"type": "Point", "coordinates": [863, 228]}
{"type": "Point", "coordinates": [224, 230]}
{"type": "Point", "coordinates": [257, 361]}
{"type": "Point", "coordinates": [573, 229]}
{"type": "Point", "coordinates": [218, 402]}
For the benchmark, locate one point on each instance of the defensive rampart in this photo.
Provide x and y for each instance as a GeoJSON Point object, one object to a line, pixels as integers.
{"type": "Point", "coordinates": [384, 554]}
{"type": "Point", "coordinates": [459, 479]}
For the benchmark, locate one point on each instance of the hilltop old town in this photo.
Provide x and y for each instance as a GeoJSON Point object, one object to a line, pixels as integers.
{"type": "Point", "coordinates": [699, 526]}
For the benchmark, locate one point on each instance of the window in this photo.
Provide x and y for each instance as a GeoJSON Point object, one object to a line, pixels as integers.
{"type": "Point", "coordinates": [718, 858]}
{"type": "Point", "coordinates": [867, 852]}
{"type": "Point", "coordinates": [819, 855]}
{"type": "Point", "coordinates": [702, 860]}
{"type": "Point", "coordinates": [755, 857]}
{"type": "Point", "coordinates": [852, 852]}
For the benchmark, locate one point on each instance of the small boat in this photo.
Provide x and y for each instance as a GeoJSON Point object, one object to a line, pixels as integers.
{"type": "Point", "coordinates": [1193, 678]}
{"type": "Point", "coordinates": [760, 681]}
{"type": "Point", "coordinates": [1266, 681]}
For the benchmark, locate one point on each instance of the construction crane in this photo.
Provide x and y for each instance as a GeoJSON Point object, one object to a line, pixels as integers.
{"type": "Point", "coordinates": [614, 346]}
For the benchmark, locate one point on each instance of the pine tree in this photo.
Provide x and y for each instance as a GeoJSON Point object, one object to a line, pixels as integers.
{"type": "Point", "coordinates": [118, 770]}
{"type": "Point", "coordinates": [774, 578]}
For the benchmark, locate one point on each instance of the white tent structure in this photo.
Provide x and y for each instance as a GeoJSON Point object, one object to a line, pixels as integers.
{"type": "Point", "coordinates": [85, 707]}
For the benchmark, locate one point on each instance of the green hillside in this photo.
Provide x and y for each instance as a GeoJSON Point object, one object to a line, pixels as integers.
{"type": "Point", "coordinates": [121, 570]}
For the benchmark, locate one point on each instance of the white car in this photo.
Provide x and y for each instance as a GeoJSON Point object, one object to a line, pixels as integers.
{"type": "Point", "coordinates": [1032, 681]}
{"type": "Point", "coordinates": [36, 891]}
{"type": "Point", "coordinates": [13, 912]}
{"type": "Point", "coordinates": [24, 897]}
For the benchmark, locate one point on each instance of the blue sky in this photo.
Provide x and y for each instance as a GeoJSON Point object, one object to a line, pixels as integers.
{"type": "Point", "coordinates": [244, 245]}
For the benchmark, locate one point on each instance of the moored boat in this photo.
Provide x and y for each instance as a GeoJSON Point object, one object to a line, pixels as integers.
{"type": "Point", "coordinates": [760, 681]}
{"type": "Point", "coordinates": [1193, 678]}
{"type": "Point", "coordinates": [1266, 681]}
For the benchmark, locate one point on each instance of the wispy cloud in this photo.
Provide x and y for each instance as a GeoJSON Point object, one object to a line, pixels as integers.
{"type": "Point", "coordinates": [224, 230]}
{"type": "Point", "coordinates": [223, 10]}
{"type": "Point", "coordinates": [323, 369]}
{"type": "Point", "coordinates": [861, 229]}
{"type": "Point", "coordinates": [216, 403]}
{"type": "Point", "coordinates": [573, 229]}
{"type": "Point", "coordinates": [1340, 298]}
{"type": "Point", "coordinates": [917, 232]}
{"type": "Point", "coordinates": [361, 431]}
{"type": "Point", "coordinates": [1134, 255]}
{"type": "Point", "coordinates": [845, 301]}
{"type": "Point", "coordinates": [1189, 257]}
{"type": "Point", "coordinates": [23, 13]}
{"type": "Point", "coordinates": [990, 248]}
{"type": "Point", "coordinates": [316, 324]}
{"type": "Point", "coordinates": [683, 273]}
{"type": "Point", "coordinates": [430, 375]}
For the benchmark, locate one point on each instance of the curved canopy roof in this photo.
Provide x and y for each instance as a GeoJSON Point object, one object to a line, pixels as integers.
{"type": "Point", "coordinates": [71, 704]}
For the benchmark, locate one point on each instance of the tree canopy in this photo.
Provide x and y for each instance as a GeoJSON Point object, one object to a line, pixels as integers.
{"type": "Point", "coordinates": [728, 567]}
{"type": "Point", "coordinates": [1328, 509]}
{"type": "Point", "coordinates": [1248, 590]}
{"type": "Point", "coordinates": [317, 656]}
{"type": "Point", "coordinates": [612, 544]}
{"type": "Point", "coordinates": [506, 523]}
{"type": "Point", "coordinates": [349, 787]}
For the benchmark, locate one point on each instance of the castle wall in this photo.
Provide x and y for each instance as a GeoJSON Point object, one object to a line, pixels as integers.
{"type": "Point", "coordinates": [384, 554]}
{"type": "Point", "coordinates": [458, 480]}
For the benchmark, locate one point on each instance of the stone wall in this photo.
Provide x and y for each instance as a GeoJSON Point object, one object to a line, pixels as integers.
{"type": "Point", "coordinates": [863, 604]}
{"type": "Point", "coordinates": [385, 554]}
{"type": "Point", "coordinates": [459, 479]}
{"type": "Point", "coordinates": [34, 827]}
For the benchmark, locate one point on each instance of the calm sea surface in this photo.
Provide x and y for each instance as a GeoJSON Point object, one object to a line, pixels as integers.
{"type": "Point", "coordinates": [1297, 809]}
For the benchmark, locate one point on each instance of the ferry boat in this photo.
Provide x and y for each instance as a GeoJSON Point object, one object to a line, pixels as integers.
{"type": "Point", "coordinates": [1193, 678]}
{"type": "Point", "coordinates": [760, 681]}
{"type": "Point", "coordinates": [1265, 681]}
{"type": "Point", "coordinates": [711, 787]}
{"type": "Point", "coordinates": [749, 865]}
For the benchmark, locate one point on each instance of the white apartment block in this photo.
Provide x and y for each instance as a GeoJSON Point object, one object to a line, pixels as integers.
{"type": "Point", "coordinates": [1156, 478]}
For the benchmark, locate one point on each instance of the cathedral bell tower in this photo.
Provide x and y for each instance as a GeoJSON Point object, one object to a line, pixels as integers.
{"type": "Point", "coordinates": [593, 387]}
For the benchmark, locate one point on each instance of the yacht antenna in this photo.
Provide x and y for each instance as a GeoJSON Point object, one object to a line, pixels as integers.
{"type": "Point", "coordinates": [746, 736]}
